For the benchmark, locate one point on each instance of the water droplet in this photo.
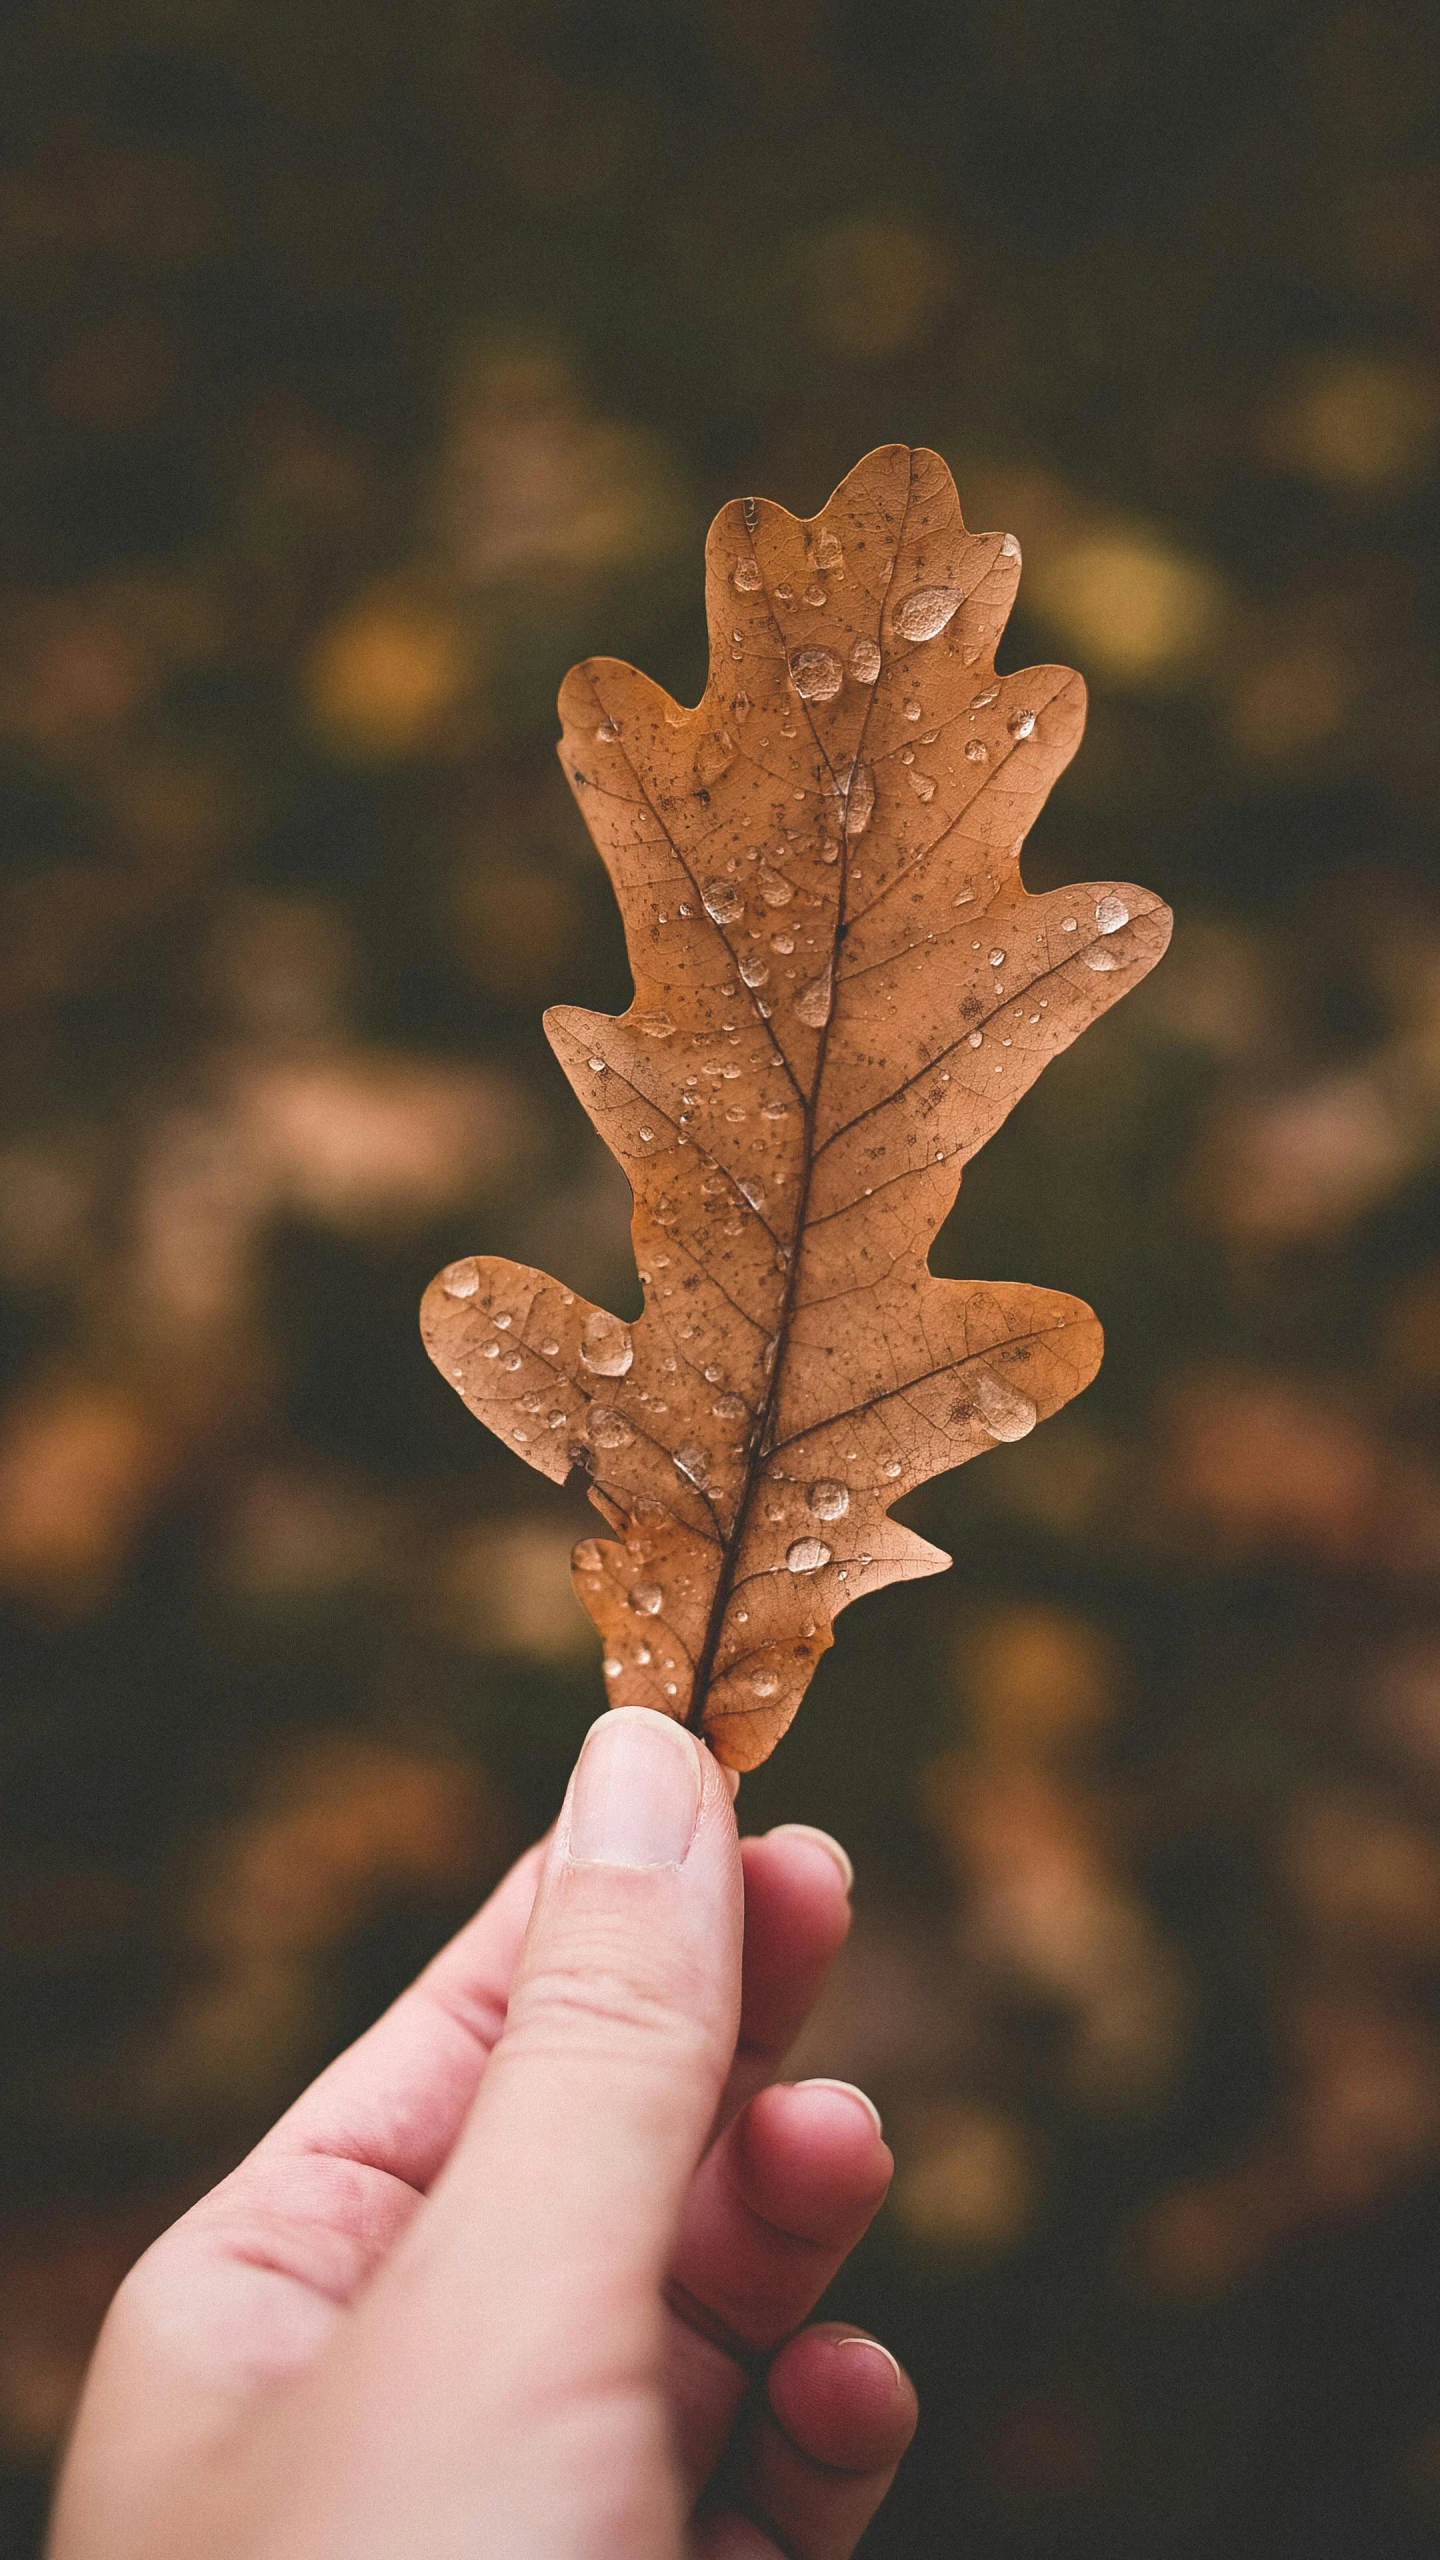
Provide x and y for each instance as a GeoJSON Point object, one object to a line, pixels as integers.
{"type": "Point", "coordinates": [814, 593]}
{"type": "Point", "coordinates": [549, 1349]}
{"type": "Point", "coordinates": [607, 1428]}
{"type": "Point", "coordinates": [611, 1668]}
{"type": "Point", "coordinates": [859, 801]}
{"type": "Point", "coordinates": [923, 785]}
{"type": "Point", "coordinates": [754, 971]}
{"type": "Point", "coordinates": [764, 1683]}
{"type": "Point", "coordinates": [912, 711]}
{"type": "Point", "coordinates": [1009, 548]}
{"type": "Point", "coordinates": [1005, 1413]}
{"type": "Point", "coordinates": [608, 732]}
{"type": "Point", "coordinates": [489, 1350]}
{"type": "Point", "coordinates": [977, 752]}
{"type": "Point", "coordinates": [784, 943]}
{"type": "Point", "coordinates": [647, 1137]}
{"type": "Point", "coordinates": [997, 959]}
{"type": "Point", "coordinates": [816, 674]}
{"type": "Point", "coordinates": [730, 1408]}
{"type": "Point", "coordinates": [722, 901]}
{"type": "Point", "coordinates": [1069, 925]}
{"type": "Point", "coordinates": [774, 889]}
{"type": "Point", "coordinates": [813, 1002]}
{"type": "Point", "coordinates": [1097, 957]}
{"type": "Point", "coordinates": [892, 1468]}
{"type": "Point", "coordinates": [865, 662]}
{"type": "Point", "coordinates": [1111, 913]}
{"type": "Point", "coordinates": [752, 1191]}
{"type": "Point", "coordinates": [597, 1066]}
{"type": "Point", "coordinates": [656, 1026]}
{"type": "Point", "coordinates": [461, 1280]}
{"type": "Point", "coordinates": [512, 1361]}
{"type": "Point", "coordinates": [829, 550]}
{"type": "Point", "coordinates": [693, 1463]}
{"type": "Point", "coordinates": [647, 1598]}
{"type": "Point", "coordinates": [746, 576]}
{"type": "Point", "coordinates": [774, 1111]}
{"type": "Point", "coordinates": [828, 1498]}
{"type": "Point", "coordinates": [605, 1344]}
{"type": "Point", "coordinates": [982, 701]}
{"type": "Point", "coordinates": [1020, 723]}
{"type": "Point", "coordinates": [807, 1555]}
{"type": "Point", "coordinates": [977, 1039]}
{"type": "Point", "coordinates": [555, 1417]}
{"type": "Point", "coordinates": [503, 1323]}
{"type": "Point", "coordinates": [926, 611]}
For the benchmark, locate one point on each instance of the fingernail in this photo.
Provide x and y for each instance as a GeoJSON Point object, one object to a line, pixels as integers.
{"type": "Point", "coordinates": [822, 1840]}
{"type": "Point", "coordinates": [873, 2347]}
{"type": "Point", "coordinates": [847, 2089]}
{"type": "Point", "coordinates": [635, 1800]}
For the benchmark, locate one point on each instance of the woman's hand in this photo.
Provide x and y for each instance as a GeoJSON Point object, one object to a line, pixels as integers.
{"type": "Point", "coordinates": [521, 2276]}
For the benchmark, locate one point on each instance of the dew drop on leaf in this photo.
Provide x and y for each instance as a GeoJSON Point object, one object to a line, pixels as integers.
{"type": "Point", "coordinates": [461, 1280]}
{"type": "Point", "coordinates": [814, 1001]}
{"type": "Point", "coordinates": [722, 901]}
{"type": "Point", "coordinates": [605, 1344]}
{"type": "Point", "coordinates": [828, 1498]}
{"type": "Point", "coordinates": [859, 801]}
{"type": "Point", "coordinates": [807, 1555]}
{"type": "Point", "coordinates": [926, 611]}
{"type": "Point", "coordinates": [647, 1598]}
{"type": "Point", "coordinates": [1005, 1413]}
{"type": "Point", "coordinates": [764, 1683]}
{"type": "Point", "coordinates": [607, 1428]}
{"type": "Point", "coordinates": [865, 661]}
{"type": "Point", "coordinates": [1111, 913]}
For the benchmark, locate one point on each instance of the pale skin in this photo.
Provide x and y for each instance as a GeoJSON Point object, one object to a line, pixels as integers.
{"type": "Point", "coordinates": [524, 2275]}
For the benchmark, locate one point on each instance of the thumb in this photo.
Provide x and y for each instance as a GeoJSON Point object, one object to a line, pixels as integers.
{"type": "Point", "coordinates": [502, 2375]}
{"type": "Point", "coordinates": [563, 2196]}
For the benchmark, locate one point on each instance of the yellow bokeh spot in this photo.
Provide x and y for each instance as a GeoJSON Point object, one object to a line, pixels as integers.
{"type": "Point", "coordinates": [383, 676]}
{"type": "Point", "coordinates": [968, 2180]}
{"type": "Point", "coordinates": [1367, 423]}
{"type": "Point", "coordinates": [1129, 604]}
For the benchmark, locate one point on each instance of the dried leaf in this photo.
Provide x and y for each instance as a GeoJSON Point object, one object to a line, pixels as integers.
{"type": "Point", "coordinates": [841, 988]}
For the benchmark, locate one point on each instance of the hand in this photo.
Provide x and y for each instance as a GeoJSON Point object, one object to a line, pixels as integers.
{"type": "Point", "coordinates": [520, 2276]}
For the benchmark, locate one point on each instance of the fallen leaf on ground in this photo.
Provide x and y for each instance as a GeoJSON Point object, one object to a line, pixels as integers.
{"type": "Point", "coordinates": [841, 989]}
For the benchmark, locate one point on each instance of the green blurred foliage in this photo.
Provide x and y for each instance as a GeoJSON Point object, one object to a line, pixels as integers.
{"type": "Point", "coordinates": [367, 366]}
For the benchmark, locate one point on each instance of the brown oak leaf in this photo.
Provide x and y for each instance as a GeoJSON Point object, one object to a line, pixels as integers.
{"type": "Point", "coordinates": [841, 988]}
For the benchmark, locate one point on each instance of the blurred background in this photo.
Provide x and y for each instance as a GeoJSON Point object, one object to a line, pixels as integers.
{"type": "Point", "coordinates": [366, 366]}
